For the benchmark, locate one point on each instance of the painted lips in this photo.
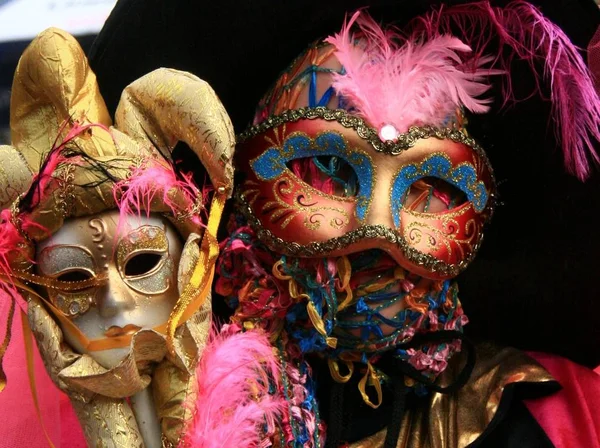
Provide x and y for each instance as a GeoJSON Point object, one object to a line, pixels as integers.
{"type": "Point", "coordinates": [116, 331]}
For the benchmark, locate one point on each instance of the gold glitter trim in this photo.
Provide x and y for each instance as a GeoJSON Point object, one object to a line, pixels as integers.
{"type": "Point", "coordinates": [427, 261]}
{"type": "Point", "coordinates": [405, 140]}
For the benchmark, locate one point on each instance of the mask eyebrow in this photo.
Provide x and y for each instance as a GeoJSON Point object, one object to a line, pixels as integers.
{"type": "Point", "coordinates": [272, 162]}
{"type": "Point", "coordinates": [59, 258]}
{"type": "Point", "coordinates": [146, 238]}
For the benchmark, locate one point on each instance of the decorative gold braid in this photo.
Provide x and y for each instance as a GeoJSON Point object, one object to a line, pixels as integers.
{"type": "Point", "coordinates": [405, 140]}
{"type": "Point", "coordinates": [53, 283]}
{"type": "Point", "coordinates": [194, 210]}
{"type": "Point", "coordinates": [320, 249]}
{"type": "Point", "coordinates": [15, 219]}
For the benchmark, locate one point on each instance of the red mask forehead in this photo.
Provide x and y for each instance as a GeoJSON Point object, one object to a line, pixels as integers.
{"type": "Point", "coordinates": [298, 213]}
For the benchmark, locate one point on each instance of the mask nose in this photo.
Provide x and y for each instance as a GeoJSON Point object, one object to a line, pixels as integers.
{"type": "Point", "coordinates": [380, 211]}
{"type": "Point", "coordinates": [115, 297]}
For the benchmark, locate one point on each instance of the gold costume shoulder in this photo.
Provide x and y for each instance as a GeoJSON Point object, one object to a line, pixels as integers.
{"type": "Point", "coordinates": [458, 419]}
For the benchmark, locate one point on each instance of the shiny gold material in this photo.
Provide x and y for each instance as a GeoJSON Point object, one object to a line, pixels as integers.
{"type": "Point", "coordinates": [198, 289]}
{"type": "Point", "coordinates": [141, 239]}
{"type": "Point", "coordinates": [53, 82]}
{"type": "Point", "coordinates": [183, 108]}
{"type": "Point", "coordinates": [55, 93]}
{"type": "Point", "coordinates": [52, 283]}
{"type": "Point", "coordinates": [173, 390]}
{"type": "Point", "coordinates": [319, 325]}
{"type": "Point", "coordinates": [345, 272]}
{"type": "Point", "coordinates": [56, 108]}
{"type": "Point", "coordinates": [15, 175]}
{"type": "Point", "coordinates": [456, 420]}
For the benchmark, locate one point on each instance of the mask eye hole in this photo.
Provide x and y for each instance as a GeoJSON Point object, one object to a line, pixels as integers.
{"type": "Point", "coordinates": [329, 174]}
{"type": "Point", "coordinates": [432, 195]}
{"type": "Point", "coordinates": [142, 264]}
{"type": "Point", "coordinates": [77, 275]}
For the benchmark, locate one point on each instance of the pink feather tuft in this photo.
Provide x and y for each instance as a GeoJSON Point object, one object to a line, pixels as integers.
{"type": "Point", "coordinates": [154, 182]}
{"type": "Point", "coordinates": [393, 81]}
{"type": "Point", "coordinates": [10, 242]}
{"type": "Point", "coordinates": [234, 405]}
{"type": "Point", "coordinates": [520, 30]}
{"type": "Point", "coordinates": [56, 157]}
{"type": "Point", "coordinates": [12, 246]}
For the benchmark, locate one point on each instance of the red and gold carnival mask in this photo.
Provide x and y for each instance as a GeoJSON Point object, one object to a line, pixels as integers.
{"type": "Point", "coordinates": [419, 190]}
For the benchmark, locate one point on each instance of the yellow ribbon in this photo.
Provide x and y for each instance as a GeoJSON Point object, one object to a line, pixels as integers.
{"type": "Point", "coordinates": [345, 272]}
{"type": "Point", "coordinates": [53, 283]}
{"type": "Point", "coordinates": [277, 273]}
{"type": "Point", "coordinates": [373, 380]}
{"type": "Point", "coordinates": [27, 335]}
{"type": "Point", "coordinates": [319, 325]}
{"type": "Point", "coordinates": [313, 314]}
{"type": "Point", "coordinates": [196, 291]}
{"type": "Point", "coordinates": [5, 343]}
{"type": "Point", "coordinates": [292, 285]}
{"type": "Point", "coordinates": [334, 369]}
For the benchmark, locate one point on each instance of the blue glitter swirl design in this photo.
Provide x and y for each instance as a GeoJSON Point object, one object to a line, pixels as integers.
{"type": "Point", "coordinates": [463, 177]}
{"type": "Point", "coordinates": [272, 163]}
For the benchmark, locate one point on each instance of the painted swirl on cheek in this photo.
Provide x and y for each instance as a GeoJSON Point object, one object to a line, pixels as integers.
{"type": "Point", "coordinates": [292, 199]}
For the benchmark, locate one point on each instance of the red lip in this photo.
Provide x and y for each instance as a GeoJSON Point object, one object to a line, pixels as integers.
{"type": "Point", "coordinates": [116, 331]}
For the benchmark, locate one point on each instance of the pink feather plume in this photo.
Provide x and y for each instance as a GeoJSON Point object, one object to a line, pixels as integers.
{"type": "Point", "coordinates": [10, 241]}
{"type": "Point", "coordinates": [153, 182]}
{"type": "Point", "coordinates": [234, 405]}
{"type": "Point", "coordinates": [520, 30]}
{"type": "Point", "coordinates": [12, 246]}
{"type": "Point", "coordinates": [390, 80]}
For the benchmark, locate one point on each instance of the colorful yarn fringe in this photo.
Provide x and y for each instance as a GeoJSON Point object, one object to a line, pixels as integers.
{"type": "Point", "coordinates": [318, 304]}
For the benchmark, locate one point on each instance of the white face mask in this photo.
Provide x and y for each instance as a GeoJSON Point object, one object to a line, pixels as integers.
{"type": "Point", "coordinates": [136, 268]}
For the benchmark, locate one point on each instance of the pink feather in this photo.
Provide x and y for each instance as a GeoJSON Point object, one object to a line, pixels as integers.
{"type": "Point", "coordinates": [234, 405]}
{"type": "Point", "coordinates": [10, 242]}
{"type": "Point", "coordinates": [520, 30]}
{"type": "Point", "coordinates": [390, 80]}
{"type": "Point", "coordinates": [153, 182]}
{"type": "Point", "coordinates": [12, 246]}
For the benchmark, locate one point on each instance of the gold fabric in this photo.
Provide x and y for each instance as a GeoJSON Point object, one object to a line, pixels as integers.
{"type": "Point", "coordinates": [55, 93]}
{"type": "Point", "coordinates": [166, 109]}
{"type": "Point", "coordinates": [198, 289]}
{"type": "Point", "coordinates": [15, 175]}
{"type": "Point", "coordinates": [458, 419]}
{"type": "Point", "coordinates": [55, 101]}
{"type": "Point", "coordinates": [52, 83]}
{"type": "Point", "coordinates": [173, 391]}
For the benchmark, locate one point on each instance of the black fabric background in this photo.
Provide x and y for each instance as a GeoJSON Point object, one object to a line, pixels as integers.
{"type": "Point", "coordinates": [534, 283]}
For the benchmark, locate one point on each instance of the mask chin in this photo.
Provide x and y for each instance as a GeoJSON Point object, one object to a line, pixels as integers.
{"type": "Point", "coordinates": [106, 358]}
